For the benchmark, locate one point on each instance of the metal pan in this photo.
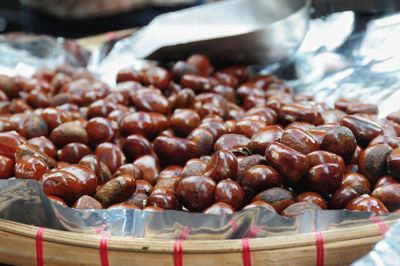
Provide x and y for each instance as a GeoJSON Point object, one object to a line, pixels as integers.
{"type": "Point", "coordinates": [254, 32]}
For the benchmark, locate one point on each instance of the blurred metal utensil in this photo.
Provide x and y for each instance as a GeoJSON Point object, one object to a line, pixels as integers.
{"type": "Point", "coordinates": [238, 31]}
{"type": "Point", "coordinates": [255, 32]}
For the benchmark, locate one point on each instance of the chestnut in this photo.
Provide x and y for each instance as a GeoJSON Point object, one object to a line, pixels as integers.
{"type": "Point", "coordinates": [373, 161]}
{"type": "Point", "coordinates": [73, 152]}
{"type": "Point", "coordinates": [116, 190]}
{"type": "Point", "coordinates": [219, 208]}
{"type": "Point", "coordinates": [299, 140]}
{"type": "Point", "coordinates": [368, 204]}
{"type": "Point", "coordinates": [193, 167]}
{"type": "Point", "coordinates": [363, 129]}
{"type": "Point", "coordinates": [136, 146]}
{"type": "Point", "coordinates": [278, 197]}
{"type": "Point", "coordinates": [87, 202]}
{"type": "Point", "coordinates": [69, 132]}
{"type": "Point", "coordinates": [111, 155]}
{"type": "Point", "coordinates": [222, 165]}
{"type": "Point", "coordinates": [150, 168]}
{"type": "Point", "coordinates": [27, 167]}
{"type": "Point", "coordinates": [312, 197]}
{"type": "Point", "coordinates": [173, 150]}
{"type": "Point", "coordinates": [184, 121]}
{"type": "Point", "coordinates": [63, 185]}
{"type": "Point", "coordinates": [231, 193]}
{"type": "Point", "coordinates": [325, 178]}
{"type": "Point", "coordinates": [389, 194]}
{"type": "Point", "coordinates": [289, 162]}
{"type": "Point", "coordinates": [231, 142]}
{"type": "Point", "coordinates": [259, 178]}
{"type": "Point", "coordinates": [339, 140]}
{"type": "Point", "coordinates": [196, 193]}
{"type": "Point", "coordinates": [6, 167]}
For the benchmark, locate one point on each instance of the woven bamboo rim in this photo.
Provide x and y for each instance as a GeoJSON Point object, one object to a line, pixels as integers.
{"type": "Point", "coordinates": [341, 246]}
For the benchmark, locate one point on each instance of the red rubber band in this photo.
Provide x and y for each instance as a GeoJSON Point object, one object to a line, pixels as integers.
{"type": "Point", "coordinates": [111, 35]}
{"type": "Point", "coordinates": [253, 231]}
{"type": "Point", "coordinates": [234, 225]}
{"type": "Point", "coordinates": [319, 244]}
{"type": "Point", "coordinates": [246, 252]}
{"type": "Point", "coordinates": [178, 252]}
{"type": "Point", "coordinates": [103, 250]}
{"type": "Point", "coordinates": [39, 246]}
{"type": "Point", "coordinates": [381, 225]}
{"type": "Point", "coordinates": [184, 234]}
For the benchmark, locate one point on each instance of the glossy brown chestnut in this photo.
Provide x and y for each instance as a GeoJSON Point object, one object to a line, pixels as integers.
{"type": "Point", "coordinates": [219, 208]}
{"type": "Point", "coordinates": [231, 193]}
{"type": "Point", "coordinates": [248, 127]}
{"type": "Point", "coordinates": [373, 161]}
{"type": "Point", "coordinates": [363, 129]}
{"type": "Point", "coordinates": [184, 121]}
{"type": "Point", "coordinates": [54, 117]}
{"type": "Point", "coordinates": [99, 130]}
{"type": "Point", "coordinates": [222, 165]}
{"type": "Point", "coordinates": [312, 197]}
{"type": "Point", "coordinates": [341, 198]}
{"type": "Point", "coordinates": [196, 193]}
{"type": "Point", "coordinates": [164, 201]}
{"type": "Point", "coordinates": [143, 123]}
{"type": "Point", "coordinates": [389, 194]}
{"type": "Point", "coordinates": [29, 167]}
{"type": "Point", "coordinates": [384, 180]}
{"type": "Point", "coordinates": [116, 190]}
{"type": "Point", "coordinates": [44, 145]}
{"type": "Point", "coordinates": [27, 149]}
{"type": "Point", "coordinates": [63, 185]}
{"type": "Point", "coordinates": [393, 163]}
{"type": "Point", "coordinates": [138, 199]}
{"type": "Point", "coordinates": [367, 204]}
{"type": "Point", "coordinates": [299, 140]}
{"type": "Point", "coordinates": [245, 163]}
{"type": "Point", "coordinates": [204, 138]}
{"type": "Point", "coordinates": [289, 162]}
{"type": "Point", "coordinates": [111, 155]}
{"type": "Point", "coordinates": [339, 140]}
{"type": "Point", "coordinates": [279, 198]}
{"type": "Point", "coordinates": [150, 100]}
{"type": "Point", "coordinates": [99, 168]}
{"type": "Point", "coordinates": [231, 142]}
{"type": "Point", "coordinates": [87, 202]}
{"type": "Point", "coordinates": [358, 182]}
{"type": "Point", "coordinates": [173, 150]}
{"type": "Point", "coordinates": [259, 178]}
{"type": "Point", "coordinates": [325, 178]}
{"type": "Point", "coordinates": [150, 168]}
{"type": "Point", "coordinates": [69, 132]}
{"type": "Point", "coordinates": [6, 167]}
{"type": "Point", "coordinates": [193, 167]}
{"type": "Point", "coordinates": [136, 146]}
{"type": "Point", "coordinates": [85, 175]}
{"type": "Point", "coordinates": [73, 152]}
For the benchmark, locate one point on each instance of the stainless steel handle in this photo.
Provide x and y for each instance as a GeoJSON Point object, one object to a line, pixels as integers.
{"type": "Point", "coordinates": [324, 7]}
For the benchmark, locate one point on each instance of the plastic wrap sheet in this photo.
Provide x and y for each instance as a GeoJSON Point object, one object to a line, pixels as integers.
{"type": "Point", "coordinates": [23, 201]}
{"type": "Point", "coordinates": [386, 252]}
{"type": "Point", "coordinates": [328, 66]}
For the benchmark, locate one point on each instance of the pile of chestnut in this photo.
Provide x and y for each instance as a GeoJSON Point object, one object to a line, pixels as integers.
{"type": "Point", "coordinates": [190, 137]}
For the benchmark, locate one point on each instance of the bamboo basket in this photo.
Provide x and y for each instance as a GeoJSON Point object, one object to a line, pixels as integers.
{"type": "Point", "coordinates": [341, 246]}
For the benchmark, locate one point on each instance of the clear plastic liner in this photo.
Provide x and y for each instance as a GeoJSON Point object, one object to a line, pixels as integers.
{"type": "Point", "coordinates": [386, 252]}
{"type": "Point", "coordinates": [23, 201]}
{"type": "Point", "coordinates": [327, 67]}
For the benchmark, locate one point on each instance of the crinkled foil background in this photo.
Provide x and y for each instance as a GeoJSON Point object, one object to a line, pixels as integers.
{"type": "Point", "coordinates": [332, 62]}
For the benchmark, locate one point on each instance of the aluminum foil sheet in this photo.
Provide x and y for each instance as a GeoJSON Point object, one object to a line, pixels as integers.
{"type": "Point", "coordinates": [331, 63]}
